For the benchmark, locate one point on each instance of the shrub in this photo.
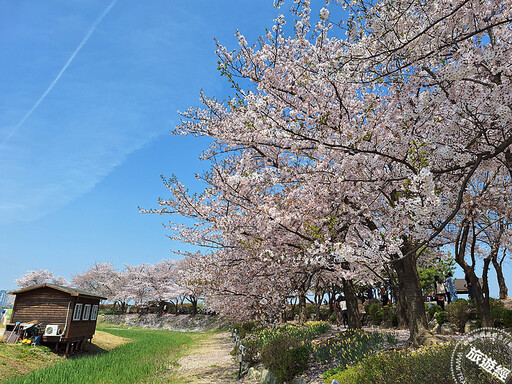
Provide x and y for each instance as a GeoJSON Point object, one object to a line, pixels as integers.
{"type": "Point", "coordinates": [433, 309]}
{"type": "Point", "coordinates": [496, 303]}
{"type": "Point", "coordinates": [507, 318]}
{"type": "Point", "coordinates": [388, 313]}
{"type": "Point", "coordinates": [375, 312]}
{"type": "Point", "coordinates": [379, 316]}
{"type": "Point", "coordinates": [324, 313]}
{"type": "Point", "coordinates": [458, 313]}
{"type": "Point", "coordinates": [286, 357]}
{"type": "Point", "coordinates": [497, 316]}
{"type": "Point", "coordinates": [252, 350]}
{"type": "Point", "coordinates": [244, 328]}
{"type": "Point", "coordinates": [310, 310]}
{"type": "Point", "coordinates": [502, 317]}
{"type": "Point", "coordinates": [427, 365]}
{"type": "Point", "coordinates": [440, 317]}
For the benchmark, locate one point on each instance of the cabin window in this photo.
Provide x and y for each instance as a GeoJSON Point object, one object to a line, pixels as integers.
{"type": "Point", "coordinates": [87, 311]}
{"type": "Point", "coordinates": [94, 312]}
{"type": "Point", "coordinates": [77, 313]}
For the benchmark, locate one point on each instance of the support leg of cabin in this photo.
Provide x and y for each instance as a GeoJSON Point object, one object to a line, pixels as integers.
{"type": "Point", "coordinates": [67, 348]}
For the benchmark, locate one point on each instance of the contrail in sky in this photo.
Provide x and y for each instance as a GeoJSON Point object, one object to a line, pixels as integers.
{"type": "Point", "coordinates": [59, 75]}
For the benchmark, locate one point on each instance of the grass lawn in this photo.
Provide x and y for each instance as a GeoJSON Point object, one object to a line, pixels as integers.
{"type": "Point", "coordinates": [150, 357]}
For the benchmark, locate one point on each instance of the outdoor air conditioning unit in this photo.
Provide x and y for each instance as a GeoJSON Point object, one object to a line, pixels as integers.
{"type": "Point", "coordinates": [52, 330]}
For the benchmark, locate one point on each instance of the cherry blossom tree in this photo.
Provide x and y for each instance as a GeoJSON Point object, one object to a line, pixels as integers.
{"type": "Point", "coordinates": [189, 278]}
{"type": "Point", "coordinates": [481, 233]}
{"type": "Point", "coordinates": [138, 285]}
{"type": "Point", "coordinates": [357, 149]}
{"type": "Point", "coordinates": [101, 278]}
{"type": "Point", "coordinates": [39, 276]}
{"type": "Point", "coordinates": [163, 279]}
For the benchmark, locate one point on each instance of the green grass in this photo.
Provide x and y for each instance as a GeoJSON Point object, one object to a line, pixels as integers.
{"type": "Point", "coordinates": [149, 358]}
{"type": "Point", "coordinates": [426, 365]}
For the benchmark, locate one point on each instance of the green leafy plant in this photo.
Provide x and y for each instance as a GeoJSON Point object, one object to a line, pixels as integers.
{"type": "Point", "coordinates": [375, 312]}
{"type": "Point", "coordinates": [433, 309]}
{"type": "Point", "coordinates": [244, 328]}
{"type": "Point", "coordinates": [497, 316]}
{"type": "Point", "coordinates": [426, 365]}
{"type": "Point", "coordinates": [507, 318]}
{"type": "Point", "coordinates": [304, 332]}
{"type": "Point", "coordinates": [351, 346]}
{"type": "Point", "coordinates": [459, 312]}
{"type": "Point", "coordinates": [251, 352]}
{"type": "Point", "coordinates": [441, 317]}
{"type": "Point", "coordinates": [502, 317]}
{"type": "Point", "coordinates": [286, 357]}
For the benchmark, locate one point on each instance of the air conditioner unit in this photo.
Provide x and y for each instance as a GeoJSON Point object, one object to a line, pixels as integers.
{"type": "Point", "coordinates": [52, 330]}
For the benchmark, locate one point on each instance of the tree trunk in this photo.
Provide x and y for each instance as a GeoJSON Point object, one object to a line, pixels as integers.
{"type": "Point", "coordinates": [331, 295]}
{"type": "Point", "coordinates": [302, 291]}
{"type": "Point", "coordinates": [317, 309]}
{"type": "Point", "coordinates": [193, 301]}
{"type": "Point", "coordinates": [354, 318]}
{"type": "Point", "coordinates": [482, 301]}
{"type": "Point", "coordinates": [302, 308]}
{"type": "Point", "coordinates": [400, 305]}
{"type": "Point", "coordinates": [410, 288]}
{"type": "Point", "coordinates": [293, 305]}
{"type": "Point", "coordinates": [501, 279]}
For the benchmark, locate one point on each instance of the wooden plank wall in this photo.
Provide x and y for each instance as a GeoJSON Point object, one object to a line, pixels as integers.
{"type": "Point", "coordinates": [82, 327]}
{"type": "Point", "coordinates": [46, 305]}
{"type": "Point", "coordinates": [50, 306]}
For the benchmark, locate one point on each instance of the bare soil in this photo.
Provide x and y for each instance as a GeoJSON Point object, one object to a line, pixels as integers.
{"type": "Point", "coordinates": [208, 361]}
{"type": "Point", "coordinates": [106, 341]}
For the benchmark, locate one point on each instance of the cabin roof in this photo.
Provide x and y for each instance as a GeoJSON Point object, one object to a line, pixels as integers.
{"type": "Point", "coordinates": [71, 291]}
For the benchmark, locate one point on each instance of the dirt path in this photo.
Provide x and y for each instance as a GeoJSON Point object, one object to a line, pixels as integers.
{"type": "Point", "coordinates": [208, 361]}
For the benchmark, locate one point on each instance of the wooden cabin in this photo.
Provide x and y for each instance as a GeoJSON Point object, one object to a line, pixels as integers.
{"type": "Point", "coordinates": [65, 316]}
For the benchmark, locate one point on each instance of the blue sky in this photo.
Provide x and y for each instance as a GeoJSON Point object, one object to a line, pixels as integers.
{"type": "Point", "coordinates": [74, 169]}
